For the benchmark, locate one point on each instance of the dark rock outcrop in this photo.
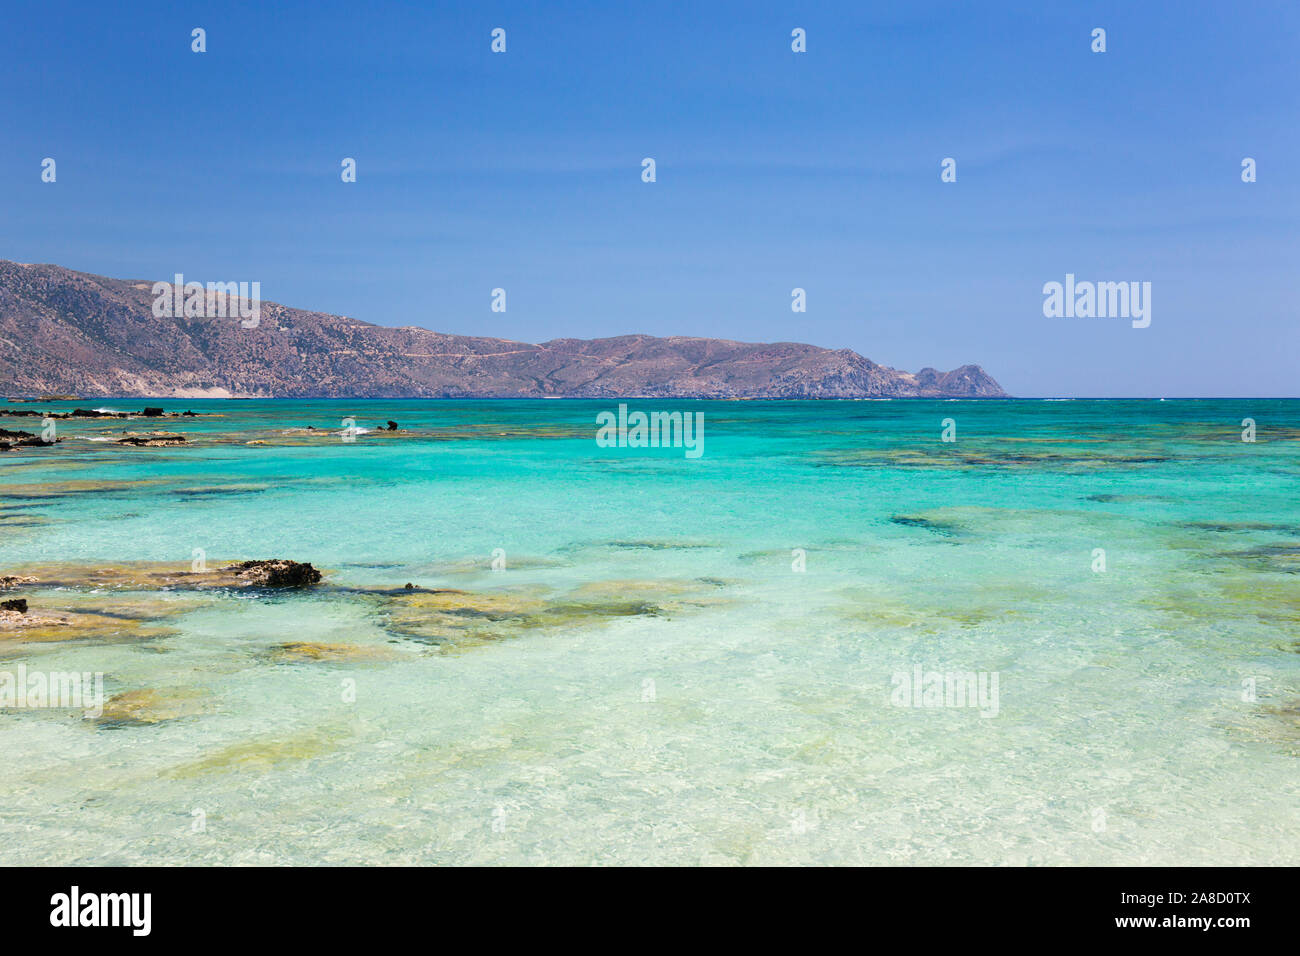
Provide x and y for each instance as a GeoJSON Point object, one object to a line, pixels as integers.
{"type": "Point", "coordinates": [10, 440]}
{"type": "Point", "coordinates": [92, 413]}
{"type": "Point", "coordinates": [275, 573]}
{"type": "Point", "coordinates": [156, 440]}
{"type": "Point", "coordinates": [14, 604]}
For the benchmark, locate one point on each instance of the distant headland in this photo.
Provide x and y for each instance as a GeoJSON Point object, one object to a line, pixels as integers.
{"type": "Point", "coordinates": [66, 332]}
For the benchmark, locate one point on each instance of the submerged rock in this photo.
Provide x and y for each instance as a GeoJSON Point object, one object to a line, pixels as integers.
{"type": "Point", "coordinates": [946, 528]}
{"type": "Point", "coordinates": [140, 708]}
{"type": "Point", "coordinates": [21, 620]}
{"type": "Point", "coordinates": [275, 573]}
{"type": "Point", "coordinates": [263, 754]}
{"type": "Point", "coordinates": [300, 651]}
{"type": "Point", "coordinates": [465, 618]}
{"type": "Point", "coordinates": [61, 616]}
{"type": "Point", "coordinates": [152, 576]}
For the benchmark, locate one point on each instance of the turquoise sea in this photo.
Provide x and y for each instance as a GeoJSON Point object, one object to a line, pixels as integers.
{"type": "Point", "coordinates": [675, 660]}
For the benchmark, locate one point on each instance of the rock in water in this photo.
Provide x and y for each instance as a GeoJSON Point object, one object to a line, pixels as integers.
{"type": "Point", "coordinates": [276, 573]}
{"type": "Point", "coordinates": [15, 604]}
{"type": "Point", "coordinates": [392, 426]}
{"type": "Point", "coordinates": [152, 412]}
{"type": "Point", "coordinates": [154, 440]}
{"type": "Point", "coordinates": [11, 440]}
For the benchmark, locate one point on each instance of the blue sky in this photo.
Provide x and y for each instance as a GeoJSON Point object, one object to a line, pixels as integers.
{"type": "Point", "coordinates": [775, 170]}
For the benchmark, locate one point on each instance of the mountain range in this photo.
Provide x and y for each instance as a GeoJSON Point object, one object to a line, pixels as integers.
{"type": "Point", "coordinates": [66, 332]}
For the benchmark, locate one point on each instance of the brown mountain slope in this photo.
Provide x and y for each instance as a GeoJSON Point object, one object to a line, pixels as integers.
{"type": "Point", "coordinates": [67, 332]}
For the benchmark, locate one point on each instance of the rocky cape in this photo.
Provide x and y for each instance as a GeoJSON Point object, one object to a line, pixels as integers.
{"type": "Point", "coordinates": [65, 332]}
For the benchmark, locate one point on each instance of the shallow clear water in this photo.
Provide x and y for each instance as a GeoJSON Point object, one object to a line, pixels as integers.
{"type": "Point", "coordinates": [648, 679]}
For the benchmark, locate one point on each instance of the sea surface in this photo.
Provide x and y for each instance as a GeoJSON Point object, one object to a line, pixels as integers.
{"type": "Point", "coordinates": [630, 656]}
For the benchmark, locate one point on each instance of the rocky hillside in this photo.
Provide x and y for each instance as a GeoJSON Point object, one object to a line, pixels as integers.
{"type": "Point", "coordinates": [65, 332]}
